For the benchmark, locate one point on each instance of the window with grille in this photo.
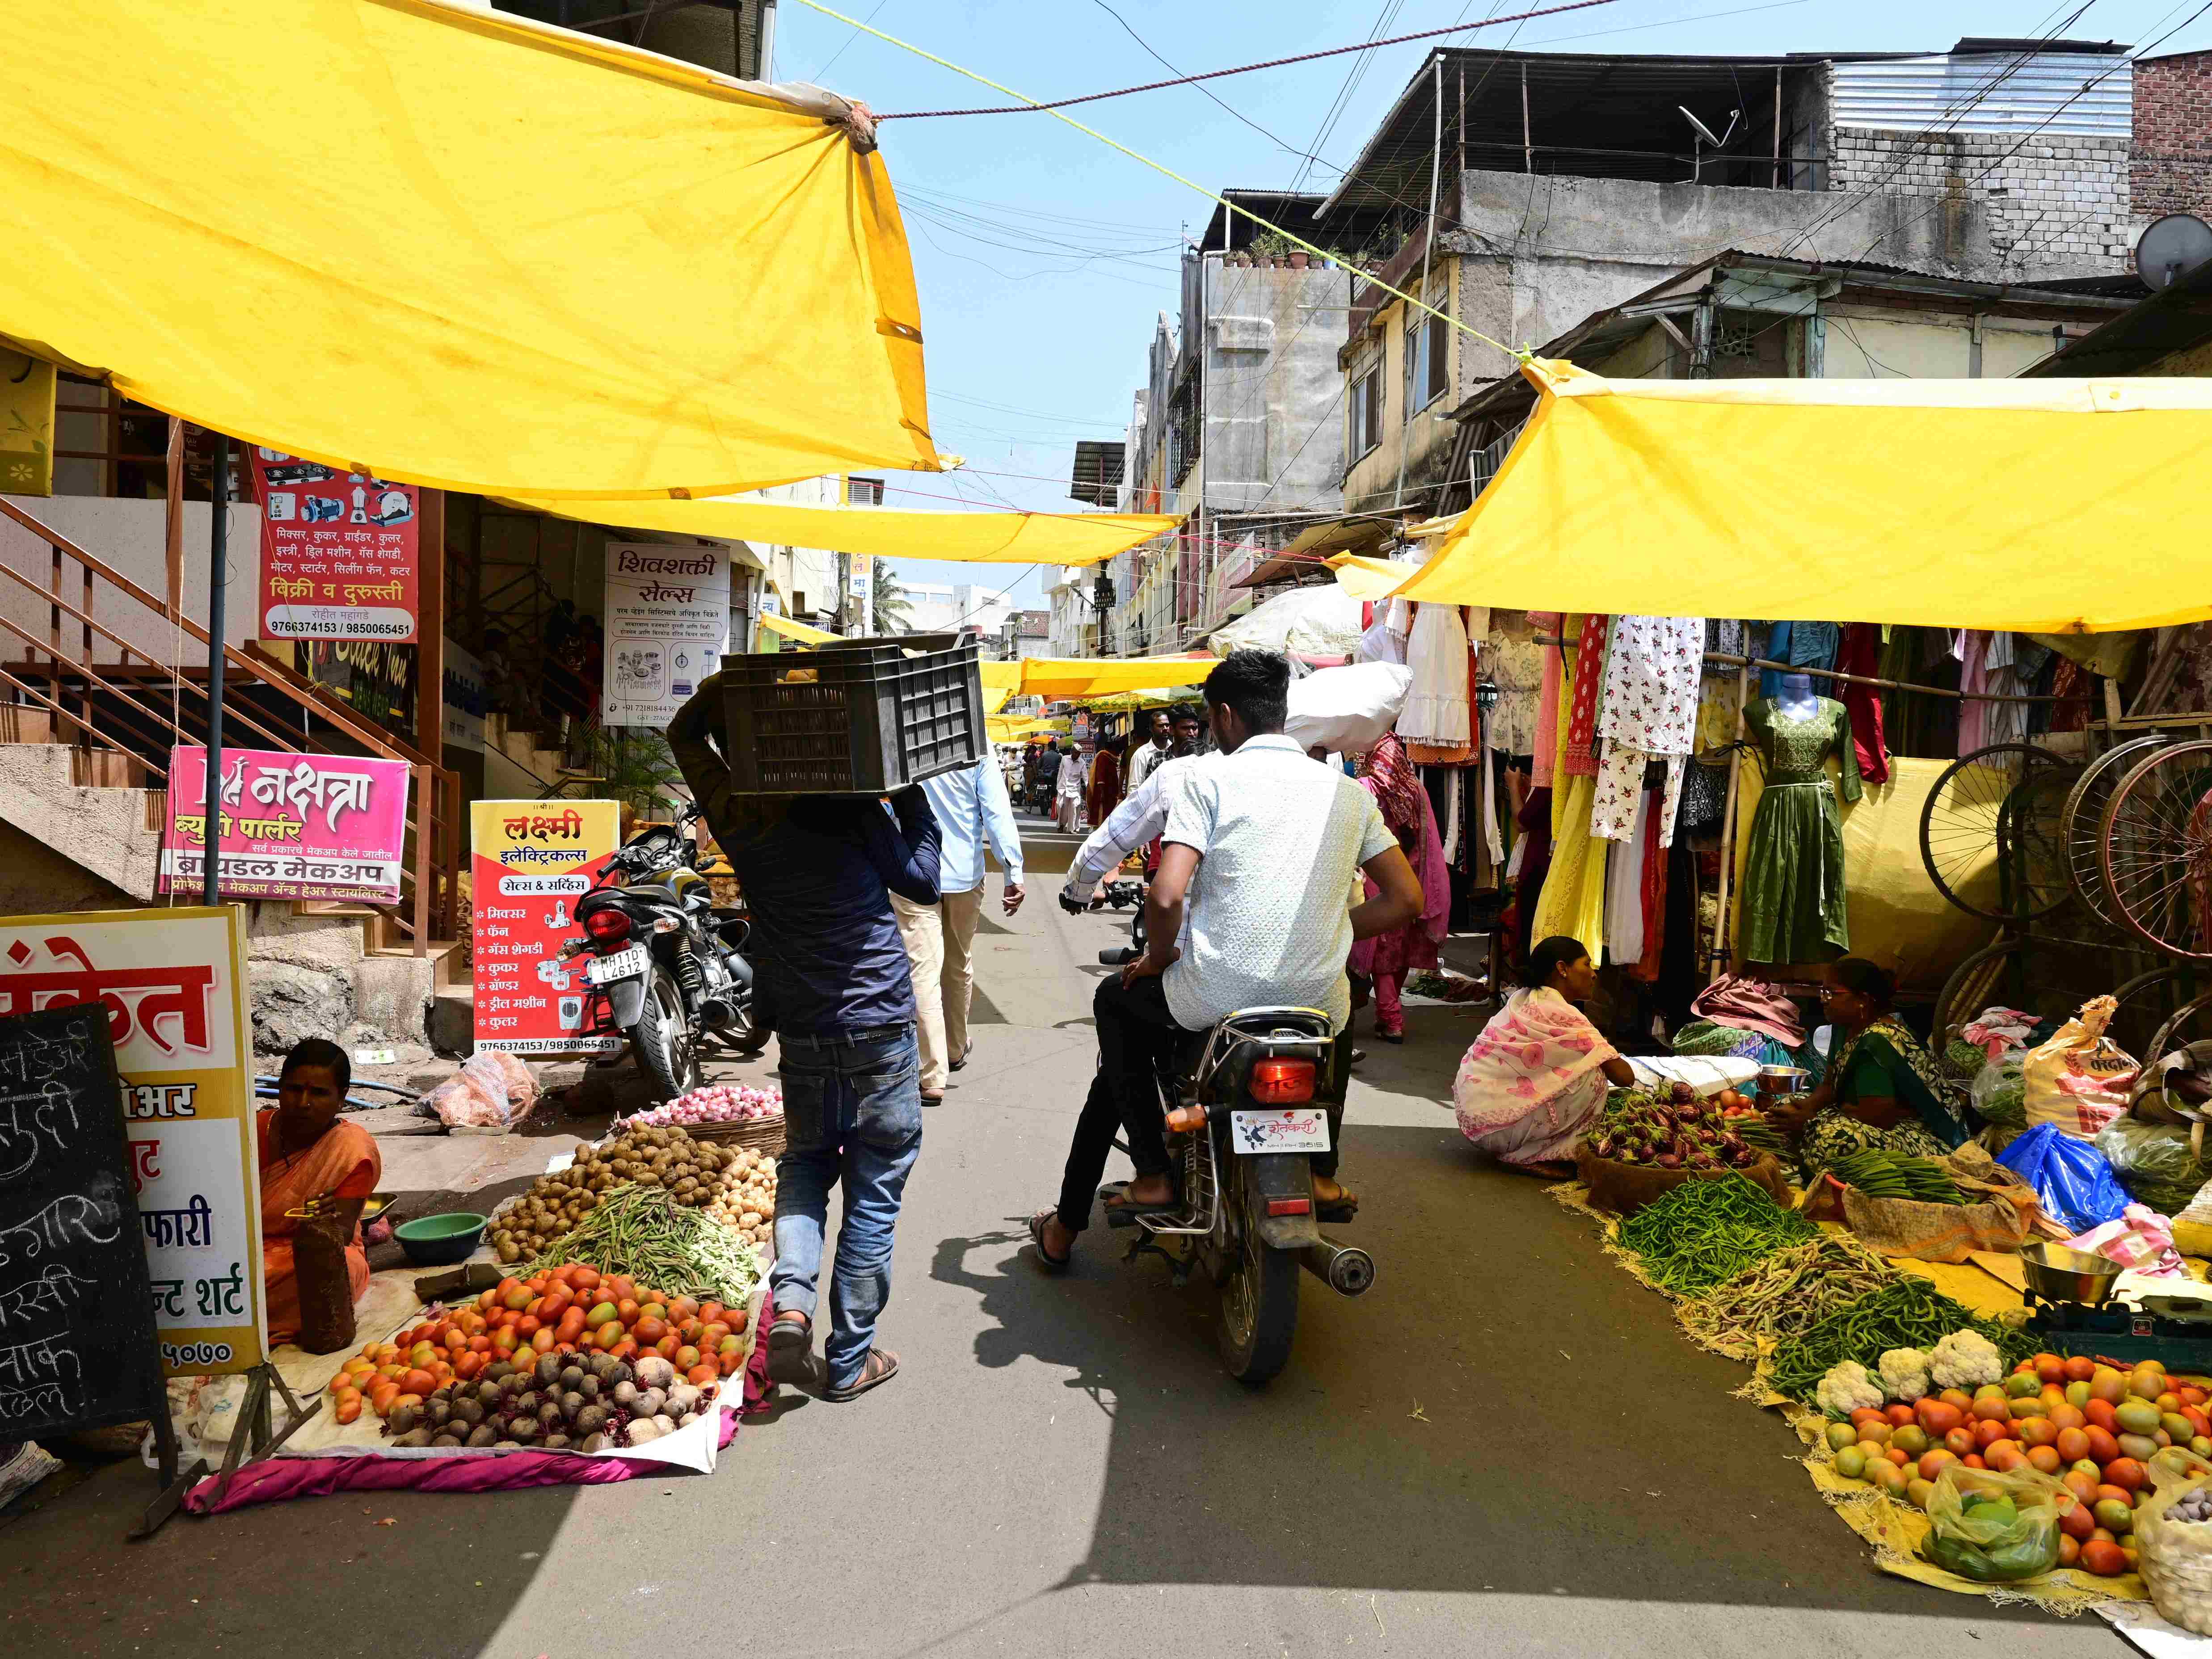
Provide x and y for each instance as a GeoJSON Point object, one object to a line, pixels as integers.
{"type": "Point", "coordinates": [1365, 408]}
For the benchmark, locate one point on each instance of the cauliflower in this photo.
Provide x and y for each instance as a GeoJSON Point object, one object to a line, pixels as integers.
{"type": "Point", "coordinates": [1905, 1374]}
{"type": "Point", "coordinates": [1845, 1388]}
{"type": "Point", "coordinates": [1965, 1360]}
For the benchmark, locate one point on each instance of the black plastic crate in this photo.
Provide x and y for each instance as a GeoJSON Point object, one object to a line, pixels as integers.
{"type": "Point", "coordinates": [856, 717]}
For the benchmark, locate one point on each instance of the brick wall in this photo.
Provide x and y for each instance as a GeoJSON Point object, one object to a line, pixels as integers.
{"type": "Point", "coordinates": [2172, 165]}
{"type": "Point", "coordinates": [2054, 209]}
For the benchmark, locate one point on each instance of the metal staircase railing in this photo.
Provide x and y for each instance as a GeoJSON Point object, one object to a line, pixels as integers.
{"type": "Point", "coordinates": [68, 675]}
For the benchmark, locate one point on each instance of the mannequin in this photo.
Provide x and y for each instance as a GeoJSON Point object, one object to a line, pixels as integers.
{"type": "Point", "coordinates": [1794, 697]}
{"type": "Point", "coordinates": [1793, 878]}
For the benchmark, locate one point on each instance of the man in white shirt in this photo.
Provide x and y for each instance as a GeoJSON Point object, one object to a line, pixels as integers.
{"type": "Point", "coordinates": [1263, 841]}
{"type": "Point", "coordinates": [972, 808]}
{"type": "Point", "coordinates": [1074, 779]}
{"type": "Point", "coordinates": [1147, 754]}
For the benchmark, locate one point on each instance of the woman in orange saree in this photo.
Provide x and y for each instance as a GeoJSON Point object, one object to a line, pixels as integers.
{"type": "Point", "coordinates": [308, 1153]}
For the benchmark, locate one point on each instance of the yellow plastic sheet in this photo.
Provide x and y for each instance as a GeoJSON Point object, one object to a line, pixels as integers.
{"type": "Point", "coordinates": [1897, 917]}
{"type": "Point", "coordinates": [455, 247]}
{"type": "Point", "coordinates": [2046, 506]}
{"type": "Point", "coordinates": [798, 633]}
{"type": "Point", "coordinates": [1098, 677]}
{"type": "Point", "coordinates": [1061, 538]}
{"type": "Point", "coordinates": [1365, 578]}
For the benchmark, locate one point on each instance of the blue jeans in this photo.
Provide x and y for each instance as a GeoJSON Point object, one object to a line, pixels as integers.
{"type": "Point", "coordinates": [852, 1112]}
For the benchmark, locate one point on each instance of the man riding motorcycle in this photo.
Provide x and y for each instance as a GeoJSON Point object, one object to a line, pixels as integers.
{"type": "Point", "coordinates": [1264, 843]}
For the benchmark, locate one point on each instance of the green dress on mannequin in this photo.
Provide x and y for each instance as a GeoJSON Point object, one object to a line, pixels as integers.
{"type": "Point", "coordinates": [1793, 877]}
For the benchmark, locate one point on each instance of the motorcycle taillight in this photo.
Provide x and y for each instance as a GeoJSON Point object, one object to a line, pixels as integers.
{"type": "Point", "coordinates": [608, 924]}
{"type": "Point", "coordinates": [1282, 1082]}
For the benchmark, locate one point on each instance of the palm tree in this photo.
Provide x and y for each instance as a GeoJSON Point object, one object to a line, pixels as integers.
{"type": "Point", "coordinates": [893, 614]}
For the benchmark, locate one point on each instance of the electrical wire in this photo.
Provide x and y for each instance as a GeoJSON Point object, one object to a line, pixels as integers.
{"type": "Point", "coordinates": [1027, 104]}
{"type": "Point", "coordinates": [1169, 173]}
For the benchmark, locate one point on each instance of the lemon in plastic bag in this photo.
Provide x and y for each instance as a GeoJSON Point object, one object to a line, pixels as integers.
{"type": "Point", "coordinates": [1992, 1526]}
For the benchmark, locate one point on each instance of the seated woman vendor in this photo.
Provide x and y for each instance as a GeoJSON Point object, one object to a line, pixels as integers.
{"type": "Point", "coordinates": [1883, 1088]}
{"type": "Point", "coordinates": [1536, 1078]}
{"type": "Point", "coordinates": [308, 1153]}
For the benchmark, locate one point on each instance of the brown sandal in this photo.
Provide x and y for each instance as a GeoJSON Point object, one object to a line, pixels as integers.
{"type": "Point", "coordinates": [880, 1366]}
{"type": "Point", "coordinates": [1046, 1259]}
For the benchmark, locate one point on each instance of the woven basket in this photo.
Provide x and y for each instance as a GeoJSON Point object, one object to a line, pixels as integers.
{"type": "Point", "coordinates": [759, 1134]}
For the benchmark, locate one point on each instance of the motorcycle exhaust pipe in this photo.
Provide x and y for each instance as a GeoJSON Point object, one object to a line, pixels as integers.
{"type": "Point", "coordinates": [1345, 1268]}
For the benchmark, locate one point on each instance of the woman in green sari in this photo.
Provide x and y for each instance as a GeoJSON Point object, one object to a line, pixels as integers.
{"type": "Point", "coordinates": [1882, 1087]}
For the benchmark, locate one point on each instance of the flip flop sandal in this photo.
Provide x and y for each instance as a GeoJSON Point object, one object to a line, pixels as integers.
{"type": "Point", "coordinates": [790, 1352]}
{"type": "Point", "coordinates": [1046, 1259]}
{"type": "Point", "coordinates": [1343, 1210]}
{"type": "Point", "coordinates": [880, 1366]}
{"type": "Point", "coordinates": [1125, 1213]}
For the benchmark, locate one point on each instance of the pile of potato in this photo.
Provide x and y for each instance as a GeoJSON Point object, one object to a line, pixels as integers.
{"type": "Point", "coordinates": [693, 1171]}
{"type": "Point", "coordinates": [745, 1200]}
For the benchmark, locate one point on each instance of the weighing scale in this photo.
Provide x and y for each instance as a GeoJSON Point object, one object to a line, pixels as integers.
{"type": "Point", "coordinates": [2070, 1311]}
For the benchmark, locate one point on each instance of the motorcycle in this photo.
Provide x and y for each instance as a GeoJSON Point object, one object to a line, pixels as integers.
{"type": "Point", "coordinates": [1265, 1093]}
{"type": "Point", "coordinates": [663, 969]}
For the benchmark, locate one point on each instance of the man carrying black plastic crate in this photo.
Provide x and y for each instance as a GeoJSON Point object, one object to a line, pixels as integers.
{"type": "Point", "coordinates": [831, 979]}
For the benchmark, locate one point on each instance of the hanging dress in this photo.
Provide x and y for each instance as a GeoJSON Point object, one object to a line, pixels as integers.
{"type": "Point", "coordinates": [1793, 905]}
{"type": "Point", "coordinates": [1436, 715]}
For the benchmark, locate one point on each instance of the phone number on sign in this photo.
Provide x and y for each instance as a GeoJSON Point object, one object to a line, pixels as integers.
{"type": "Point", "coordinates": [339, 628]}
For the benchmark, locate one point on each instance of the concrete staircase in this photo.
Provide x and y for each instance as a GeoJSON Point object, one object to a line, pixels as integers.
{"type": "Point", "coordinates": [79, 830]}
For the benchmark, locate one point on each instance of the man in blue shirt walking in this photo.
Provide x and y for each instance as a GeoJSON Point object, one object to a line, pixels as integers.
{"type": "Point", "coordinates": [830, 978]}
{"type": "Point", "coordinates": [971, 808]}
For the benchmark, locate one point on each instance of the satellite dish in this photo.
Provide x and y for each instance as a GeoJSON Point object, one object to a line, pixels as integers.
{"type": "Point", "coordinates": [2171, 248]}
{"type": "Point", "coordinates": [1704, 131]}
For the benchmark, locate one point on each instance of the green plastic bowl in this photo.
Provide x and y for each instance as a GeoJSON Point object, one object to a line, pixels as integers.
{"type": "Point", "coordinates": [433, 1241]}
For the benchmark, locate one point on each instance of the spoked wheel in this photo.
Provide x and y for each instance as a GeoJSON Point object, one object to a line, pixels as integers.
{"type": "Point", "coordinates": [2080, 825]}
{"type": "Point", "coordinates": [2148, 1001]}
{"type": "Point", "coordinates": [2191, 1023]}
{"type": "Point", "coordinates": [1258, 1297]}
{"type": "Point", "coordinates": [1990, 833]}
{"type": "Point", "coordinates": [2051, 979]}
{"type": "Point", "coordinates": [2156, 852]}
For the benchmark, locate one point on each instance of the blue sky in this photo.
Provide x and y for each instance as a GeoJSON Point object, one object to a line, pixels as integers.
{"type": "Point", "coordinates": [1044, 257]}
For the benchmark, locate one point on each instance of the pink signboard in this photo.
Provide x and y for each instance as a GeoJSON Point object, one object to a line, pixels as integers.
{"type": "Point", "coordinates": [293, 826]}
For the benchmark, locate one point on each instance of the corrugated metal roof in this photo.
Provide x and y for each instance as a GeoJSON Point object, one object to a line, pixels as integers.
{"type": "Point", "coordinates": [1097, 477]}
{"type": "Point", "coordinates": [2075, 93]}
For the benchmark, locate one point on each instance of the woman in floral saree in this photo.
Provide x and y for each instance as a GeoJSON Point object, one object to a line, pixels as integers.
{"type": "Point", "coordinates": [1536, 1078]}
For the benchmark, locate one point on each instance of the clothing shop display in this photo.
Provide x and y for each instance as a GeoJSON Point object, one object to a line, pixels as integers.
{"type": "Point", "coordinates": [1455, 754]}
{"type": "Point", "coordinates": [1437, 712]}
{"type": "Point", "coordinates": [1751, 1004]}
{"type": "Point", "coordinates": [1861, 655]}
{"type": "Point", "coordinates": [1720, 694]}
{"type": "Point", "coordinates": [1533, 852]}
{"type": "Point", "coordinates": [1624, 885]}
{"type": "Point", "coordinates": [1986, 666]}
{"type": "Point", "coordinates": [1578, 750]}
{"type": "Point", "coordinates": [1648, 711]}
{"type": "Point", "coordinates": [1793, 908]}
{"type": "Point", "coordinates": [1573, 903]}
{"type": "Point", "coordinates": [1544, 757]}
{"type": "Point", "coordinates": [1513, 662]}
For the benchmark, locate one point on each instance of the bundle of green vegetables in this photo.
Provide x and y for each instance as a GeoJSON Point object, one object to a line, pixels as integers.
{"type": "Point", "coordinates": [1908, 1312]}
{"type": "Point", "coordinates": [1880, 1173]}
{"type": "Point", "coordinates": [644, 1233]}
{"type": "Point", "coordinates": [1705, 1231]}
{"type": "Point", "coordinates": [1784, 1296]}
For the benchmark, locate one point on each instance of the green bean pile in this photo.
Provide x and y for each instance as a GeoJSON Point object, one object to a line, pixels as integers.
{"type": "Point", "coordinates": [1784, 1296]}
{"type": "Point", "coordinates": [643, 1233]}
{"type": "Point", "coordinates": [1907, 1313]}
{"type": "Point", "coordinates": [1705, 1231]}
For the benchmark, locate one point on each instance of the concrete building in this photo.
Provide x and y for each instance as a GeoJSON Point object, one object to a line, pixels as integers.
{"type": "Point", "coordinates": [1559, 186]}
{"type": "Point", "coordinates": [1234, 426]}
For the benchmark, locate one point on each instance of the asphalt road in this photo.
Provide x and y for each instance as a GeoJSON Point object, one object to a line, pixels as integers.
{"type": "Point", "coordinates": [1506, 1448]}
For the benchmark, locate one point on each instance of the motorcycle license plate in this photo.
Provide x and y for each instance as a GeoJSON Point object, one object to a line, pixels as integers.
{"type": "Point", "coordinates": [630, 963]}
{"type": "Point", "coordinates": [1280, 1129]}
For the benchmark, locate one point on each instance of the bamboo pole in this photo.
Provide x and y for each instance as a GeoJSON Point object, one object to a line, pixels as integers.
{"type": "Point", "coordinates": [1720, 953]}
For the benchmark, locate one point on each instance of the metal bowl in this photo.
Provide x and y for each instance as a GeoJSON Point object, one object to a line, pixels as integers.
{"type": "Point", "coordinates": [1783, 1079]}
{"type": "Point", "coordinates": [2058, 1274]}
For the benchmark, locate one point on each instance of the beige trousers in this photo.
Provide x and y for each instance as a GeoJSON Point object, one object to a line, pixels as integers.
{"type": "Point", "coordinates": [940, 950]}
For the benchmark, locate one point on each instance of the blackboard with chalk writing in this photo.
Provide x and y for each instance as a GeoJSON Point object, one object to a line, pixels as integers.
{"type": "Point", "coordinates": [76, 1306]}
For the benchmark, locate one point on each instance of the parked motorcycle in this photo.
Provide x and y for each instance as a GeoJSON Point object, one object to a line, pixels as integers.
{"type": "Point", "coordinates": [666, 969]}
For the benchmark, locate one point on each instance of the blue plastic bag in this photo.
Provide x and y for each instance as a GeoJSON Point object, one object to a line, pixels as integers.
{"type": "Point", "coordinates": [2070, 1178]}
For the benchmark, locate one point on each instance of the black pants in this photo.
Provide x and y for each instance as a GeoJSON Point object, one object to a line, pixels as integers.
{"type": "Point", "coordinates": [1135, 1031]}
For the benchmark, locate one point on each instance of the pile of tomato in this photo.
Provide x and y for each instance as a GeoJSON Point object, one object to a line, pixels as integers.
{"type": "Point", "coordinates": [569, 1309]}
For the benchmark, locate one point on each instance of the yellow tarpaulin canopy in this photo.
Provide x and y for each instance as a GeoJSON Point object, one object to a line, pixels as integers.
{"type": "Point", "coordinates": [799, 632]}
{"type": "Point", "coordinates": [1006, 729]}
{"type": "Point", "coordinates": [1098, 677]}
{"type": "Point", "coordinates": [2040, 506]}
{"type": "Point", "coordinates": [1366, 578]}
{"type": "Point", "coordinates": [456, 247]}
{"type": "Point", "coordinates": [1061, 538]}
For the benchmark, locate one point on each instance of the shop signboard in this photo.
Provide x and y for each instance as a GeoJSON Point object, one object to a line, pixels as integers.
{"type": "Point", "coordinates": [292, 826]}
{"type": "Point", "coordinates": [667, 624]}
{"type": "Point", "coordinates": [530, 861]}
{"type": "Point", "coordinates": [377, 680]}
{"type": "Point", "coordinates": [340, 552]}
{"type": "Point", "coordinates": [172, 983]}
